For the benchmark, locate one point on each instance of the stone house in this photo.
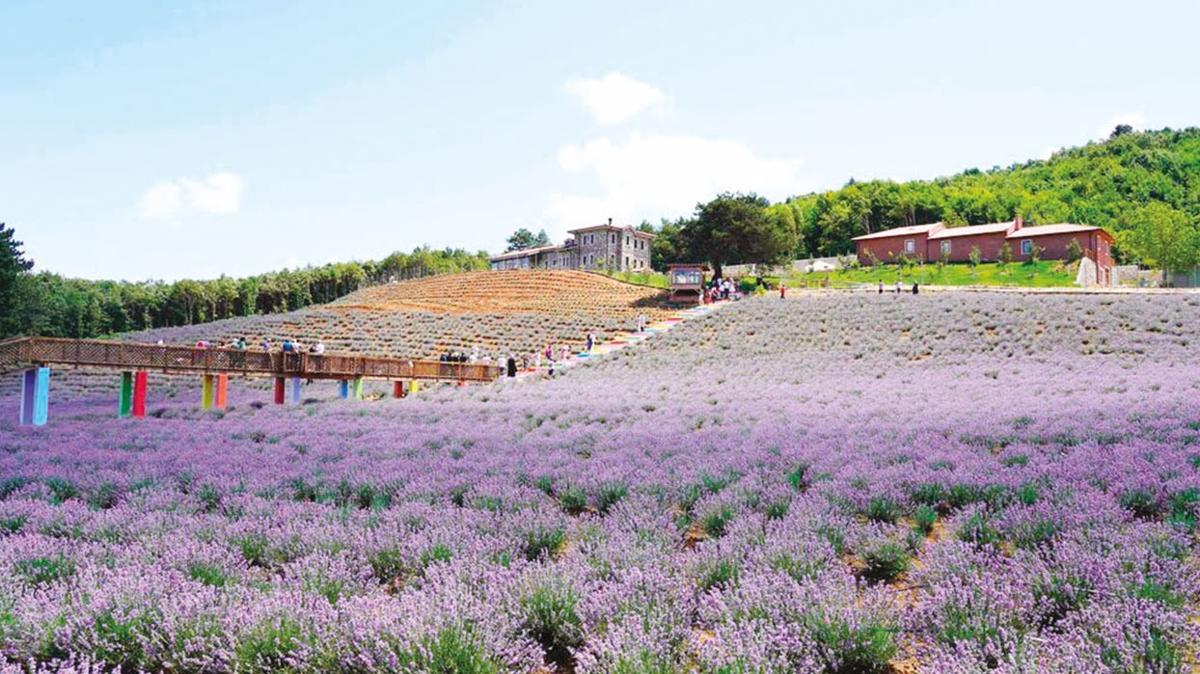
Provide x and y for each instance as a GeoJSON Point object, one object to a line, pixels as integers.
{"type": "Point", "coordinates": [596, 248]}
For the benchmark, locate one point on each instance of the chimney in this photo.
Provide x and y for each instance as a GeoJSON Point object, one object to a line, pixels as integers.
{"type": "Point", "coordinates": [1018, 222]}
{"type": "Point", "coordinates": [610, 222]}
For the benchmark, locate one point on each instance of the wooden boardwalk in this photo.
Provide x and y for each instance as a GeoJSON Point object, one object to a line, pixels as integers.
{"type": "Point", "coordinates": [23, 353]}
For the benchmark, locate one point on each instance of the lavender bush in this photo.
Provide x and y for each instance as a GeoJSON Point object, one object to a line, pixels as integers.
{"type": "Point", "coordinates": [849, 483]}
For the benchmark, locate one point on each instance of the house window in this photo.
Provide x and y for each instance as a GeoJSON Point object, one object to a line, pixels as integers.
{"type": "Point", "coordinates": [946, 248]}
{"type": "Point", "coordinates": [612, 238]}
{"type": "Point", "coordinates": [627, 262]}
{"type": "Point", "coordinates": [910, 246]}
{"type": "Point", "coordinates": [626, 240]}
{"type": "Point", "coordinates": [1026, 246]}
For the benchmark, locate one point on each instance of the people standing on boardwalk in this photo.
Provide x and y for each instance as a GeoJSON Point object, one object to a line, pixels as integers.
{"type": "Point", "coordinates": [881, 287]}
{"type": "Point", "coordinates": [915, 289]}
{"type": "Point", "coordinates": [318, 349]}
{"type": "Point", "coordinates": [287, 346]}
{"type": "Point", "coordinates": [782, 290]}
{"type": "Point", "coordinates": [899, 286]}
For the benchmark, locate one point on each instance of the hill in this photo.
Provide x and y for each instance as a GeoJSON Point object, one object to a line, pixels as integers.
{"type": "Point", "coordinates": [500, 312]}
{"type": "Point", "coordinates": [1120, 184]}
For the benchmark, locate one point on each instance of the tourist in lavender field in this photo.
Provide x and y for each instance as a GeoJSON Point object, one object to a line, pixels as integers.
{"type": "Point", "coordinates": [511, 366]}
{"type": "Point", "coordinates": [591, 341]}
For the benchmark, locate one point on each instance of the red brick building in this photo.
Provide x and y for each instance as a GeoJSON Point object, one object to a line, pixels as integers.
{"type": "Point", "coordinates": [926, 243]}
{"type": "Point", "coordinates": [890, 244]}
{"type": "Point", "coordinates": [955, 243]}
{"type": "Point", "coordinates": [1055, 240]}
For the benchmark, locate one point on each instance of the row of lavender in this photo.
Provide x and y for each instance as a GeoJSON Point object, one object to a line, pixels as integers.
{"type": "Point", "coordinates": [843, 484]}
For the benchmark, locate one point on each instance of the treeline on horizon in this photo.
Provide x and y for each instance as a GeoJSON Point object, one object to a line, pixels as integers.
{"type": "Point", "coordinates": [1144, 187]}
{"type": "Point", "coordinates": [51, 305]}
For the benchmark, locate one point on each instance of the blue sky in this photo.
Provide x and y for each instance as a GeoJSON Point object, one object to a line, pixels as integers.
{"type": "Point", "coordinates": [168, 140]}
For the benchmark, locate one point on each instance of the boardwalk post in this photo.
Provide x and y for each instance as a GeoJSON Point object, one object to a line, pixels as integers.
{"type": "Point", "coordinates": [139, 394]}
{"type": "Point", "coordinates": [343, 389]}
{"type": "Point", "coordinates": [206, 392]}
{"type": "Point", "coordinates": [221, 395]}
{"type": "Point", "coordinates": [35, 396]}
{"type": "Point", "coordinates": [125, 398]}
{"type": "Point", "coordinates": [358, 383]}
{"type": "Point", "coordinates": [279, 386]}
{"type": "Point", "coordinates": [28, 390]}
{"type": "Point", "coordinates": [296, 390]}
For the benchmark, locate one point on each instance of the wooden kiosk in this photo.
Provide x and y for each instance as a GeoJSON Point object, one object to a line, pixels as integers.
{"type": "Point", "coordinates": [686, 283]}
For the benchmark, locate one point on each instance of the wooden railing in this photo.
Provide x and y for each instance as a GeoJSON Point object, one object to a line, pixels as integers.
{"type": "Point", "coordinates": [25, 352]}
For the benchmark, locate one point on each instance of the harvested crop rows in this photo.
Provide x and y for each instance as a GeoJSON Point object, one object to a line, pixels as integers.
{"type": "Point", "coordinates": [500, 312]}
{"type": "Point", "coordinates": [956, 482]}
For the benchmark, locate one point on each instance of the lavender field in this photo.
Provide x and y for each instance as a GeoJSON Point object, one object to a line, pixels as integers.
{"type": "Point", "coordinates": [958, 482]}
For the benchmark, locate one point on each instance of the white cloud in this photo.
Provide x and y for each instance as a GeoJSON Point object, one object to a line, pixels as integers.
{"type": "Point", "coordinates": [218, 194]}
{"type": "Point", "coordinates": [1135, 119]}
{"type": "Point", "coordinates": [615, 97]}
{"type": "Point", "coordinates": [159, 201]}
{"type": "Point", "coordinates": [652, 176]}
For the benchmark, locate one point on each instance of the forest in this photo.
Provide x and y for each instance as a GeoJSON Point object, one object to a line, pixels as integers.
{"type": "Point", "coordinates": [51, 305]}
{"type": "Point", "coordinates": [1144, 187]}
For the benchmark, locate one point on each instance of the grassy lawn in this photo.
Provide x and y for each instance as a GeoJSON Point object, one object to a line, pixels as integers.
{"type": "Point", "coordinates": [1045, 274]}
{"type": "Point", "coordinates": [647, 278]}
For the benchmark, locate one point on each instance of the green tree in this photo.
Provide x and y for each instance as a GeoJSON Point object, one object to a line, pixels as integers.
{"type": "Point", "coordinates": [1074, 252]}
{"type": "Point", "coordinates": [1005, 256]}
{"type": "Point", "coordinates": [733, 229]}
{"type": "Point", "coordinates": [1164, 237]}
{"type": "Point", "coordinates": [13, 265]}
{"type": "Point", "coordinates": [523, 238]}
{"type": "Point", "coordinates": [974, 257]}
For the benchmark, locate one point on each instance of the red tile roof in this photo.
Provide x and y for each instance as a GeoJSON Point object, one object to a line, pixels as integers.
{"type": "Point", "coordinates": [1044, 230]}
{"type": "Point", "coordinates": [901, 231]}
{"type": "Point", "coordinates": [972, 230]}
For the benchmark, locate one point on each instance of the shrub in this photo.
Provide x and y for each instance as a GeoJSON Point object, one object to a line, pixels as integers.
{"type": "Point", "coordinates": [978, 529]}
{"type": "Point", "coordinates": [550, 617]}
{"type": "Point", "coordinates": [453, 650]}
{"type": "Point", "coordinates": [103, 497]}
{"type": "Point", "coordinates": [885, 560]}
{"type": "Point", "coordinates": [882, 509]}
{"type": "Point", "coordinates": [61, 490]}
{"type": "Point", "coordinates": [268, 646]}
{"type": "Point", "coordinates": [387, 564]}
{"type": "Point", "coordinates": [45, 570]}
{"type": "Point", "coordinates": [776, 510]}
{"type": "Point", "coordinates": [609, 495]}
{"type": "Point", "coordinates": [573, 500]}
{"type": "Point", "coordinates": [439, 552]}
{"type": "Point", "coordinates": [1034, 534]}
{"type": "Point", "coordinates": [798, 567]}
{"type": "Point", "coordinates": [1057, 597]}
{"type": "Point", "coordinates": [541, 541]}
{"type": "Point", "coordinates": [208, 574]}
{"type": "Point", "coordinates": [1141, 502]}
{"type": "Point", "coordinates": [924, 518]}
{"type": "Point", "coordinates": [798, 477]}
{"type": "Point", "coordinates": [863, 648]}
{"type": "Point", "coordinates": [714, 572]}
{"type": "Point", "coordinates": [715, 522]}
